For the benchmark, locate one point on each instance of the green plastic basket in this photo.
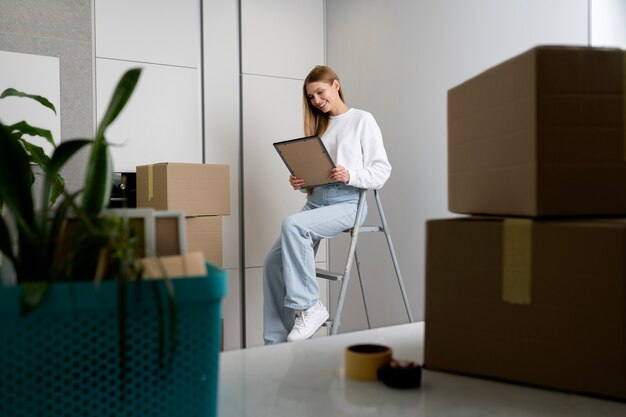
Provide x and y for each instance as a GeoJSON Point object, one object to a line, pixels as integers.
{"type": "Point", "coordinates": [63, 360]}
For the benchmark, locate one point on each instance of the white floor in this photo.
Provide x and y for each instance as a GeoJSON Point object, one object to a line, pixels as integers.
{"type": "Point", "coordinates": [306, 379]}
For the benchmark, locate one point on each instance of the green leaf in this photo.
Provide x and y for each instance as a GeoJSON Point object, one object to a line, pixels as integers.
{"type": "Point", "coordinates": [60, 156]}
{"type": "Point", "coordinates": [122, 93]}
{"type": "Point", "coordinates": [99, 179]}
{"type": "Point", "coordinates": [60, 255]}
{"type": "Point", "coordinates": [64, 152]}
{"type": "Point", "coordinates": [33, 294]}
{"type": "Point", "coordinates": [100, 168]}
{"type": "Point", "coordinates": [37, 154]}
{"type": "Point", "coordinates": [5, 241]}
{"type": "Point", "coordinates": [58, 184]}
{"type": "Point", "coordinates": [16, 179]}
{"type": "Point", "coordinates": [12, 92]}
{"type": "Point", "coordinates": [25, 129]}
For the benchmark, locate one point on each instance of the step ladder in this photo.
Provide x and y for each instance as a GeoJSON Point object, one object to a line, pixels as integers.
{"type": "Point", "coordinates": [344, 277]}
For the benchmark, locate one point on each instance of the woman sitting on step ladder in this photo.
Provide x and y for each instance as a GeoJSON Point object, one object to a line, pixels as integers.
{"type": "Point", "coordinates": [292, 307]}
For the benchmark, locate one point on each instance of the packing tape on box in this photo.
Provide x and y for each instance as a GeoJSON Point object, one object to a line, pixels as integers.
{"type": "Point", "coordinates": [517, 260]}
{"type": "Point", "coordinates": [363, 361]}
{"type": "Point", "coordinates": [150, 182]}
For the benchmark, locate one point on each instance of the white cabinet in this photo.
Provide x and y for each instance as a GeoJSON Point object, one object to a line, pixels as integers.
{"type": "Point", "coordinates": [161, 121]}
{"type": "Point", "coordinates": [221, 108]}
{"type": "Point", "coordinates": [231, 312]}
{"type": "Point", "coordinates": [281, 41]}
{"type": "Point", "coordinates": [156, 31]}
{"type": "Point", "coordinates": [271, 112]}
{"type": "Point", "coordinates": [254, 307]}
{"type": "Point", "coordinates": [282, 38]}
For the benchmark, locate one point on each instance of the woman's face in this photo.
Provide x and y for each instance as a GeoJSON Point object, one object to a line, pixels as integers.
{"type": "Point", "coordinates": [324, 96]}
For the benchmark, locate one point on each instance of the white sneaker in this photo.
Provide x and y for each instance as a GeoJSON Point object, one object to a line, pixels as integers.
{"type": "Point", "coordinates": [307, 322]}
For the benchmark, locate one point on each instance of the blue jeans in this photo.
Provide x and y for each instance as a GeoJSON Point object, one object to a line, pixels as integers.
{"type": "Point", "coordinates": [289, 281]}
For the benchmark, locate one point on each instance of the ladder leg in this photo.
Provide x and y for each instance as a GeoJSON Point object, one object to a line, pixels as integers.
{"type": "Point", "coordinates": [346, 275]}
{"type": "Point", "coordinates": [358, 271]}
{"type": "Point", "coordinates": [393, 256]}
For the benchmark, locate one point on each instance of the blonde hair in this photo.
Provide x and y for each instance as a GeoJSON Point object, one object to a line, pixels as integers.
{"type": "Point", "coordinates": [315, 121]}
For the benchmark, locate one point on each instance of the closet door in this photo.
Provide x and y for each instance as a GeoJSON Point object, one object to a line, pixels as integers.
{"type": "Point", "coordinates": [281, 41]}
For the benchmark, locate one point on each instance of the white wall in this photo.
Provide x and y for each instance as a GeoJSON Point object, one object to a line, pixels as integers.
{"type": "Point", "coordinates": [608, 23]}
{"type": "Point", "coordinates": [32, 74]}
{"type": "Point", "coordinates": [397, 59]}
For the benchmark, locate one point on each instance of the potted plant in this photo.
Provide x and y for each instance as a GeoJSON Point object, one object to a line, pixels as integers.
{"type": "Point", "coordinates": [81, 333]}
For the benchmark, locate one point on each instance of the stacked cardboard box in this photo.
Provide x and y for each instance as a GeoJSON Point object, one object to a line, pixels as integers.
{"type": "Point", "coordinates": [540, 135]}
{"type": "Point", "coordinates": [201, 191]}
{"type": "Point", "coordinates": [538, 297]}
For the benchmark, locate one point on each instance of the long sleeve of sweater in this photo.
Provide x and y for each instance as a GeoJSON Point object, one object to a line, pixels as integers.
{"type": "Point", "coordinates": [355, 141]}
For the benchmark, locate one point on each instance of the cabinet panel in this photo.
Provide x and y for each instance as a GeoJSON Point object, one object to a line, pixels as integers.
{"type": "Point", "coordinates": [221, 108]}
{"type": "Point", "coordinates": [231, 312]}
{"type": "Point", "coordinates": [283, 38]}
{"type": "Point", "coordinates": [268, 196]}
{"type": "Point", "coordinates": [156, 31]}
{"type": "Point", "coordinates": [161, 121]}
{"type": "Point", "coordinates": [254, 307]}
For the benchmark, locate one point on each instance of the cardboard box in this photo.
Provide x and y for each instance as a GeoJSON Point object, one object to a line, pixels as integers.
{"type": "Point", "coordinates": [196, 189]}
{"type": "Point", "coordinates": [534, 302]}
{"type": "Point", "coordinates": [541, 134]}
{"type": "Point", "coordinates": [188, 265]}
{"type": "Point", "coordinates": [204, 234]}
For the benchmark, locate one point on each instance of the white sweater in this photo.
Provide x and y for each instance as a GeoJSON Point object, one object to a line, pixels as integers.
{"type": "Point", "coordinates": [354, 141]}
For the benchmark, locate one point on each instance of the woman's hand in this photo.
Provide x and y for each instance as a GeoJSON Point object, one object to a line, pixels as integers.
{"type": "Point", "coordinates": [340, 173]}
{"type": "Point", "coordinates": [296, 182]}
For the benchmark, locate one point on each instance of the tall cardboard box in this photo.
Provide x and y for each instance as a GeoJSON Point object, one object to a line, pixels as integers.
{"type": "Point", "coordinates": [196, 189]}
{"type": "Point", "coordinates": [534, 302]}
{"type": "Point", "coordinates": [541, 134]}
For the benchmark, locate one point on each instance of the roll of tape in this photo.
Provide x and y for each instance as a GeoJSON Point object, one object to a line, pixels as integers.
{"type": "Point", "coordinates": [363, 361]}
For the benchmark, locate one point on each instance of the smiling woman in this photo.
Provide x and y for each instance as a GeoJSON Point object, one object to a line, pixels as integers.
{"type": "Point", "coordinates": [292, 307]}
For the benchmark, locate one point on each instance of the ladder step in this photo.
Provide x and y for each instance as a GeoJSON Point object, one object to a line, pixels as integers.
{"type": "Point", "coordinates": [328, 323]}
{"type": "Point", "coordinates": [366, 229]}
{"type": "Point", "coordinates": [323, 273]}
